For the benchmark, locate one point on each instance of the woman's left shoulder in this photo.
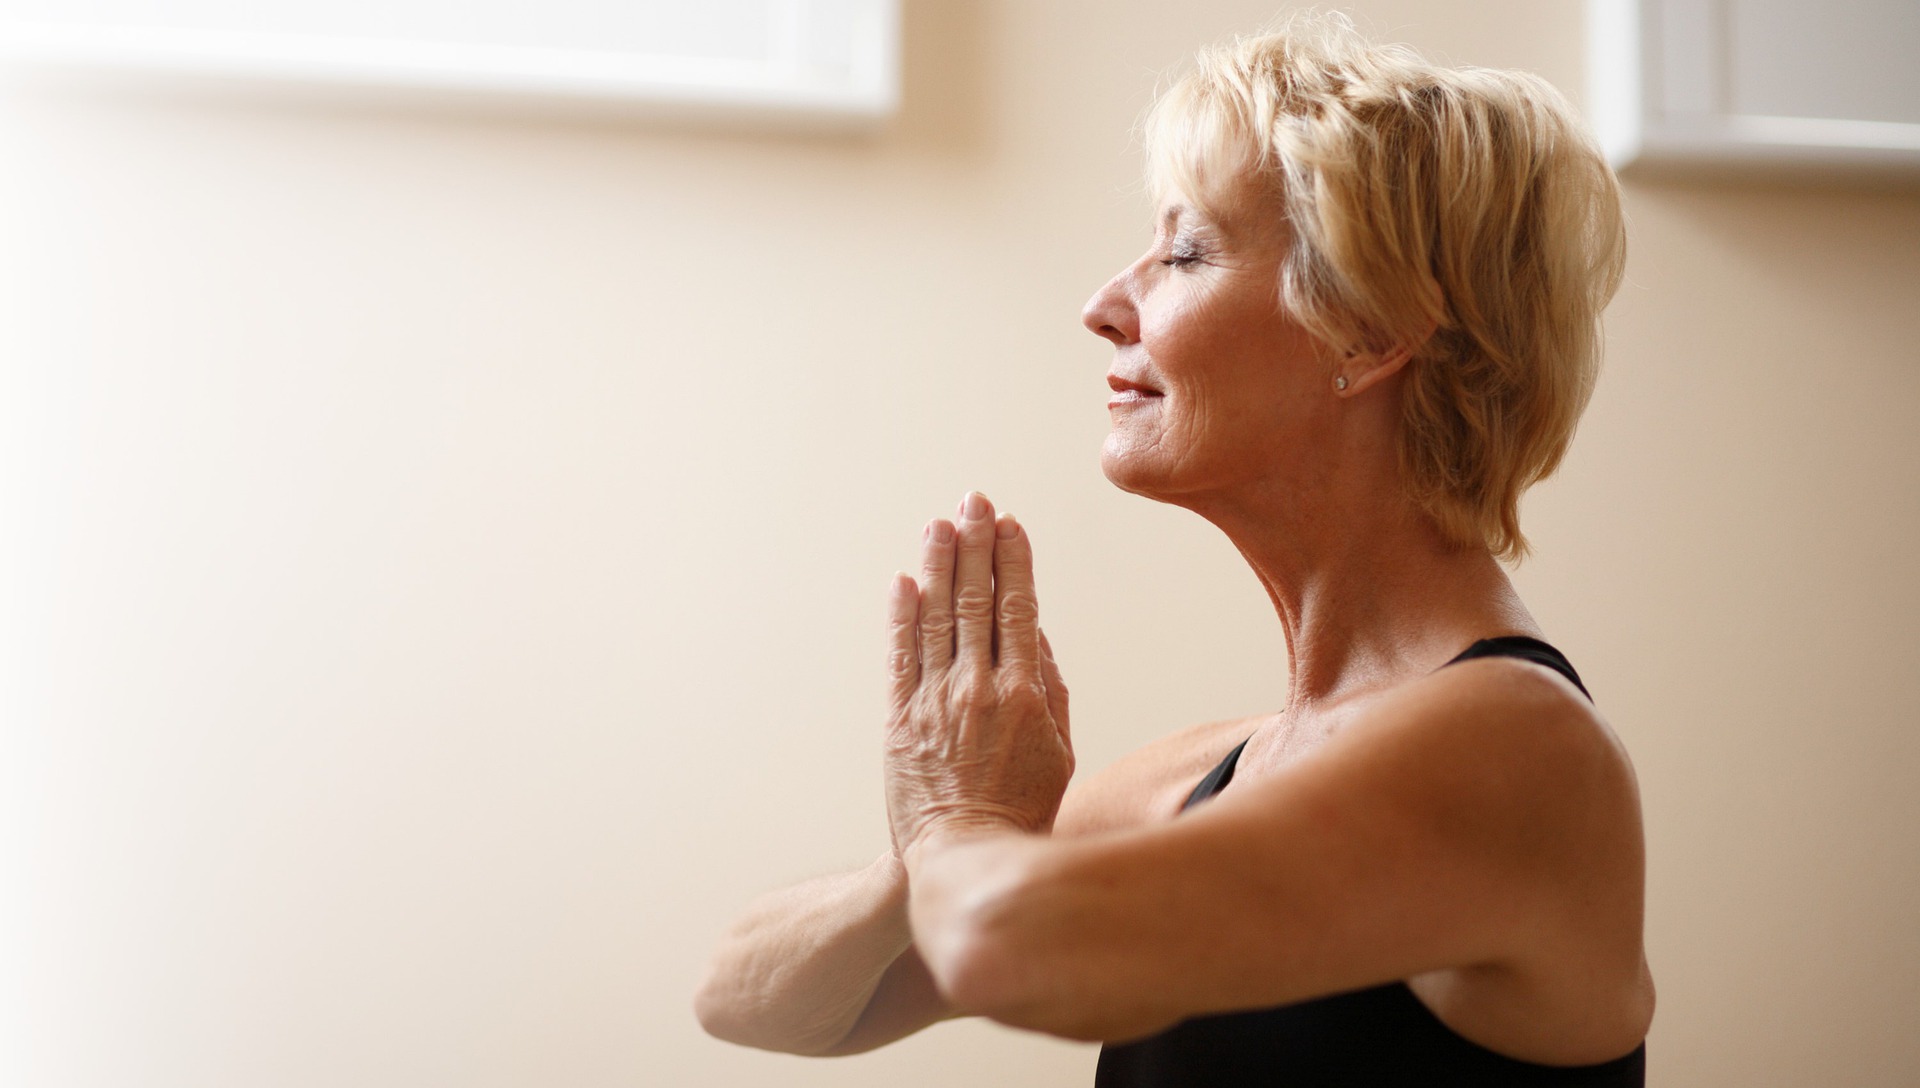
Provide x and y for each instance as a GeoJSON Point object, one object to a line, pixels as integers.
{"type": "Point", "coordinates": [1515, 760]}
{"type": "Point", "coordinates": [1542, 776]}
{"type": "Point", "coordinates": [1509, 708]}
{"type": "Point", "coordinates": [1503, 759]}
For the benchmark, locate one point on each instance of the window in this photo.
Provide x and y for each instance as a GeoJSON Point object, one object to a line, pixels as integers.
{"type": "Point", "coordinates": [1757, 84]}
{"type": "Point", "coordinates": [803, 62]}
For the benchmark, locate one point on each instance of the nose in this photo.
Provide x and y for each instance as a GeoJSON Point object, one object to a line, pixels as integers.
{"type": "Point", "coordinates": [1110, 313]}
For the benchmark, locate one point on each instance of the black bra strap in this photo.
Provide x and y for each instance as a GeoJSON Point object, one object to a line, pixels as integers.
{"type": "Point", "coordinates": [1216, 779]}
{"type": "Point", "coordinates": [1520, 646]}
{"type": "Point", "coordinates": [1527, 649]}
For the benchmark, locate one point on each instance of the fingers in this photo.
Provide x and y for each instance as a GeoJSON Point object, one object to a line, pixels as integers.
{"type": "Point", "coordinates": [936, 596]}
{"type": "Point", "coordinates": [973, 583]}
{"type": "Point", "coordinates": [977, 599]}
{"type": "Point", "coordinates": [1016, 608]}
{"type": "Point", "coordinates": [903, 639]}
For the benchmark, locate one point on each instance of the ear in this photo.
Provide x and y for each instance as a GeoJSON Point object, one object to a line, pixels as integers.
{"type": "Point", "coordinates": [1361, 369]}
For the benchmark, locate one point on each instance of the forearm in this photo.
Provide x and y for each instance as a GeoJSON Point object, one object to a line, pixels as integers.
{"type": "Point", "coordinates": [972, 913]}
{"type": "Point", "coordinates": [796, 972]}
{"type": "Point", "coordinates": [1028, 930]}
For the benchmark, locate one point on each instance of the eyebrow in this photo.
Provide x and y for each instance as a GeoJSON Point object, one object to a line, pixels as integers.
{"type": "Point", "coordinates": [1172, 215]}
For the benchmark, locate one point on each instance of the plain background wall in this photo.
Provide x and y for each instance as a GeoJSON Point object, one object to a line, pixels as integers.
{"type": "Point", "coordinates": [444, 554]}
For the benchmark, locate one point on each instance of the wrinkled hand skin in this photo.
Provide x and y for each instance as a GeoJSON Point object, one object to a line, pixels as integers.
{"type": "Point", "coordinates": [977, 738]}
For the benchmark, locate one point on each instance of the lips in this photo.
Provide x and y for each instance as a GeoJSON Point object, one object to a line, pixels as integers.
{"type": "Point", "coordinates": [1127, 393]}
{"type": "Point", "coordinates": [1121, 385]}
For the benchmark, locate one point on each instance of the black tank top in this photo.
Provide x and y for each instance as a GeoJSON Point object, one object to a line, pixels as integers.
{"type": "Point", "coordinates": [1381, 1037]}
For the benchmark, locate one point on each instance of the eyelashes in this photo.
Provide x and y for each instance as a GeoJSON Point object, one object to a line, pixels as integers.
{"type": "Point", "coordinates": [1184, 251]}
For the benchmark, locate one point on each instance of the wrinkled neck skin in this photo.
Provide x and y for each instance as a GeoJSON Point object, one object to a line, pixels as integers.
{"type": "Point", "coordinates": [1369, 592]}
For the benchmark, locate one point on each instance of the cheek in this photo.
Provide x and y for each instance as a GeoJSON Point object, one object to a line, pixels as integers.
{"type": "Point", "coordinates": [1250, 400]}
{"type": "Point", "coordinates": [1187, 341]}
{"type": "Point", "coordinates": [1220, 370]}
{"type": "Point", "coordinates": [1229, 358]}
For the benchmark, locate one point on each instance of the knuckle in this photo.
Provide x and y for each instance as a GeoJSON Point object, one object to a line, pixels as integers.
{"type": "Point", "coordinates": [1019, 606]}
{"type": "Point", "coordinates": [902, 663]}
{"type": "Point", "coordinates": [973, 603]}
{"type": "Point", "coordinates": [901, 736]}
{"type": "Point", "coordinates": [1029, 690]}
{"type": "Point", "coordinates": [974, 698]}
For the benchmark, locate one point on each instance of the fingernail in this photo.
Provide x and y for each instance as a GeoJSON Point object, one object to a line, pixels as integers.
{"type": "Point", "coordinates": [974, 506]}
{"type": "Point", "coordinates": [1008, 528]}
{"type": "Point", "coordinates": [943, 532]}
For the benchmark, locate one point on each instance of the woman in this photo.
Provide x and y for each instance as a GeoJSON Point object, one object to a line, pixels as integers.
{"type": "Point", "coordinates": [1367, 322]}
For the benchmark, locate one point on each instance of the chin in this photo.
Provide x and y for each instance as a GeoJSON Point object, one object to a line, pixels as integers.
{"type": "Point", "coordinates": [1131, 469]}
{"type": "Point", "coordinates": [1166, 469]}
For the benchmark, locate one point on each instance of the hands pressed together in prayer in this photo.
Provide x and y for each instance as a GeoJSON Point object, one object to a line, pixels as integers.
{"type": "Point", "coordinates": [977, 738]}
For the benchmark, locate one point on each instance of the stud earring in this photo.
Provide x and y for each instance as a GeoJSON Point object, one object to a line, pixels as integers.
{"type": "Point", "coordinates": [1340, 382]}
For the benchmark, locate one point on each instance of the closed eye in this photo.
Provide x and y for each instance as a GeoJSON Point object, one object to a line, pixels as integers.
{"type": "Point", "coordinates": [1184, 251]}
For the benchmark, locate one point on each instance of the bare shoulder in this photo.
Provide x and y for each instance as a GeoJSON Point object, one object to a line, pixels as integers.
{"type": "Point", "coordinates": [1525, 763]}
{"type": "Point", "coordinates": [1149, 783]}
{"type": "Point", "coordinates": [1512, 754]}
{"type": "Point", "coordinates": [1527, 729]}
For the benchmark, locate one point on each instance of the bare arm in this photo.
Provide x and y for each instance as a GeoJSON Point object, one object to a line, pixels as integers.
{"type": "Point", "coordinates": [1483, 823]}
{"type": "Point", "coordinates": [824, 967]}
{"type": "Point", "coordinates": [803, 972]}
{"type": "Point", "coordinates": [800, 971]}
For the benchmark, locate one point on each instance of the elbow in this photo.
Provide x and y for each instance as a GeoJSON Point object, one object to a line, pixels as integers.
{"type": "Point", "coordinates": [724, 1014]}
{"type": "Point", "coordinates": [724, 1020]}
{"type": "Point", "coordinates": [715, 1012]}
{"type": "Point", "coordinates": [733, 1016]}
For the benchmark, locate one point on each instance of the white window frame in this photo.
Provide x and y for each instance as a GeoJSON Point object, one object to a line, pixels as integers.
{"type": "Point", "coordinates": [793, 87]}
{"type": "Point", "coordinates": [1657, 88]}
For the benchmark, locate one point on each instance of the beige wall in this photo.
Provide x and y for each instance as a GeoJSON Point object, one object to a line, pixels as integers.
{"type": "Point", "coordinates": [443, 556]}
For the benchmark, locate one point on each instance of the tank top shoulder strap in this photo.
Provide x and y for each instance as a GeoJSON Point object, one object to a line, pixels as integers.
{"type": "Point", "coordinates": [1520, 646]}
{"type": "Point", "coordinates": [1527, 649]}
{"type": "Point", "coordinates": [1216, 779]}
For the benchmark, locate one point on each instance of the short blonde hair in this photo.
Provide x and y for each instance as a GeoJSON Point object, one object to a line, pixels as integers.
{"type": "Point", "coordinates": [1468, 203]}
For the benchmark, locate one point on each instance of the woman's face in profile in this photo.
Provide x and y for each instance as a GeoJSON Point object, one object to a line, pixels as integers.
{"type": "Point", "coordinates": [1214, 383]}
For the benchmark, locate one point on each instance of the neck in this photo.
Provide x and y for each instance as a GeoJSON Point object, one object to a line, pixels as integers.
{"type": "Point", "coordinates": [1368, 590]}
